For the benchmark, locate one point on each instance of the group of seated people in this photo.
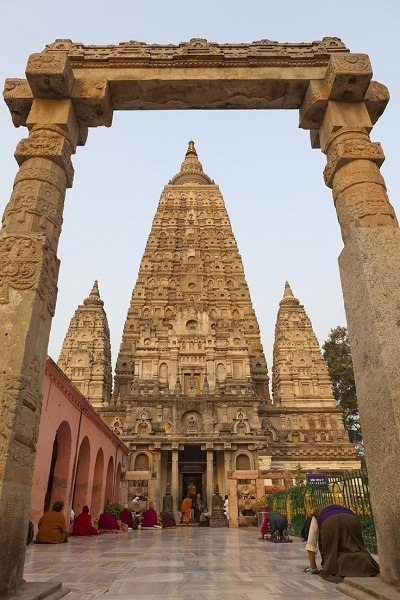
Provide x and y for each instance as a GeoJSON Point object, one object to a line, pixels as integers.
{"type": "Point", "coordinates": [53, 529]}
{"type": "Point", "coordinates": [335, 531]}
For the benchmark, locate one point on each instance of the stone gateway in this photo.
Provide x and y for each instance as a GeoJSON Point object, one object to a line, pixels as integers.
{"type": "Point", "coordinates": [70, 87]}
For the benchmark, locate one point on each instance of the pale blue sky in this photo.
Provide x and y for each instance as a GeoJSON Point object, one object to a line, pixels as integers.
{"type": "Point", "coordinates": [281, 212]}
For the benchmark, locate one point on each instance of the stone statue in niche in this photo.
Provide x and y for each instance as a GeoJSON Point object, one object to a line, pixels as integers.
{"type": "Point", "coordinates": [192, 422]}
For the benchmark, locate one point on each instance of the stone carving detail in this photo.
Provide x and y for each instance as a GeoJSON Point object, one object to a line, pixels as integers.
{"type": "Point", "coordinates": [50, 75]}
{"type": "Point", "coordinates": [364, 205]}
{"type": "Point", "coordinates": [47, 172]}
{"type": "Point", "coordinates": [198, 49]}
{"type": "Point", "coordinates": [18, 97]}
{"type": "Point", "coordinates": [47, 144]}
{"type": "Point", "coordinates": [92, 102]}
{"type": "Point", "coordinates": [36, 198]}
{"type": "Point", "coordinates": [348, 150]}
{"type": "Point", "coordinates": [20, 260]}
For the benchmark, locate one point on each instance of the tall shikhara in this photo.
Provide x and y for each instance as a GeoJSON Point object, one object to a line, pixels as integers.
{"type": "Point", "coordinates": [191, 324]}
{"type": "Point", "coordinates": [86, 352]}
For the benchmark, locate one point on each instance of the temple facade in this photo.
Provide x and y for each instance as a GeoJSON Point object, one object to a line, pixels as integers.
{"type": "Point", "coordinates": [191, 396]}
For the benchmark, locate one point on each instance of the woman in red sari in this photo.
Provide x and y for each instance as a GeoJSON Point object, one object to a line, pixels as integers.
{"type": "Point", "coordinates": [83, 524]}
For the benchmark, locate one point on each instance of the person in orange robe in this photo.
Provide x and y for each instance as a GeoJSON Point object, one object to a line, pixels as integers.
{"type": "Point", "coordinates": [186, 507]}
{"type": "Point", "coordinates": [83, 524]}
{"type": "Point", "coordinates": [52, 526]}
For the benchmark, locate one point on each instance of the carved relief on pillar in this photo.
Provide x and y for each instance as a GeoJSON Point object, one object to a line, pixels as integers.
{"type": "Point", "coordinates": [49, 144]}
{"type": "Point", "coordinates": [356, 145]}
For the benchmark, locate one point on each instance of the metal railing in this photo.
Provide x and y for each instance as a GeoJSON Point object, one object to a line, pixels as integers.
{"type": "Point", "coordinates": [349, 489]}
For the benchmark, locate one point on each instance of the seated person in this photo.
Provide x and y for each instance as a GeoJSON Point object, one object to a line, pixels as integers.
{"type": "Point", "coordinates": [277, 525]}
{"type": "Point", "coordinates": [108, 523]}
{"type": "Point", "coordinates": [204, 519]}
{"type": "Point", "coordinates": [149, 516]}
{"type": "Point", "coordinates": [337, 532]}
{"type": "Point", "coordinates": [83, 524]}
{"type": "Point", "coordinates": [52, 526]}
{"type": "Point", "coordinates": [167, 520]}
{"type": "Point", "coordinates": [125, 516]}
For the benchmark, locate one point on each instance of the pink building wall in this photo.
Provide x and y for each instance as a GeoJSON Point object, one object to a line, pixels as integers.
{"type": "Point", "coordinates": [86, 461]}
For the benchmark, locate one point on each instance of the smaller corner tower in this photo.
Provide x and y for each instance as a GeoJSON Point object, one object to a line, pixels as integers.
{"type": "Point", "coordinates": [86, 352]}
{"type": "Point", "coordinates": [305, 423]}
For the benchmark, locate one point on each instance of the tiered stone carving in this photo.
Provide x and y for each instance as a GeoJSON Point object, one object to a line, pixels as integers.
{"type": "Point", "coordinates": [86, 352]}
{"type": "Point", "coordinates": [304, 424]}
{"type": "Point", "coordinates": [191, 327]}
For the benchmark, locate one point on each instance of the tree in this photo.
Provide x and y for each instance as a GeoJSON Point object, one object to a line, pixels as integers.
{"type": "Point", "coordinates": [337, 354]}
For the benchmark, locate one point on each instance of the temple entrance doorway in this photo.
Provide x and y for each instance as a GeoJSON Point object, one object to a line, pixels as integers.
{"type": "Point", "coordinates": [192, 467]}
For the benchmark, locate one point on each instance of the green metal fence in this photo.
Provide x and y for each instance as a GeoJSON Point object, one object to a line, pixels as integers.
{"type": "Point", "coordinates": [348, 489]}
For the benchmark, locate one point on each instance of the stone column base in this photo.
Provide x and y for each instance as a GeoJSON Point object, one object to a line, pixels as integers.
{"type": "Point", "coordinates": [38, 590]}
{"type": "Point", "coordinates": [363, 588]}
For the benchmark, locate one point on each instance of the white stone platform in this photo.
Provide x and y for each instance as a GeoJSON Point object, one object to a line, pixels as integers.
{"type": "Point", "coordinates": [188, 562]}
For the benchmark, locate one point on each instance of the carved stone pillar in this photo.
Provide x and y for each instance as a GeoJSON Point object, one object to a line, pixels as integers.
{"type": "Point", "coordinates": [210, 476]}
{"type": "Point", "coordinates": [28, 289]}
{"type": "Point", "coordinates": [370, 274]}
{"type": "Point", "coordinates": [175, 483]}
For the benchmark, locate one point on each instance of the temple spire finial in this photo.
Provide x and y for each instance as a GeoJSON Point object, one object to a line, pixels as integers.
{"type": "Point", "coordinates": [191, 149]}
{"type": "Point", "coordinates": [288, 291]}
{"type": "Point", "coordinates": [94, 296]}
{"type": "Point", "coordinates": [288, 296]}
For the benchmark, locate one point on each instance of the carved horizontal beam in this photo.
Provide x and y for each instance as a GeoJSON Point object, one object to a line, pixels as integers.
{"type": "Point", "coordinates": [138, 76]}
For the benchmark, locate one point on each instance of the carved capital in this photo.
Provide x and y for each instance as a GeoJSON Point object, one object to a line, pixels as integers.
{"type": "Point", "coordinates": [92, 101]}
{"type": "Point", "coordinates": [50, 75]}
{"type": "Point", "coordinates": [350, 150]}
{"type": "Point", "coordinates": [376, 98]}
{"type": "Point", "coordinates": [49, 144]}
{"type": "Point", "coordinates": [348, 76]}
{"type": "Point", "coordinates": [339, 116]}
{"type": "Point", "coordinates": [18, 97]}
{"type": "Point", "coordinates": [55, 114]}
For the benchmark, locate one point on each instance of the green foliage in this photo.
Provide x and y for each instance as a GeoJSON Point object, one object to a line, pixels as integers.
{"type": "Point", "coordinates": [337, 354]}
{"type": "Point", "coordinates": [114, 508]}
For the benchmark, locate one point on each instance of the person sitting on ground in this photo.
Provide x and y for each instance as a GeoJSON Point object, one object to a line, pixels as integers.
{"type": "Point", "coordinates": [167, 520]}
{"type": "Point", "coordinates": [52, 526]}
{"type": "Point", "coordinates": [204, 519]}
{"type": "Point", "coordinates": [108, 523]}
{"type": "Point", "coordinates": [83, 524]}
{"type": "Point", "coordinates": [125, 516]}
{"type": "Point", "coordinates": [336, 531]}
{"type": "Point", "coordinates": [149, 516]}
{"type": "Point", "coordinates": [186, 507]}
{"type": "Point", "coordinates": [277, 525]}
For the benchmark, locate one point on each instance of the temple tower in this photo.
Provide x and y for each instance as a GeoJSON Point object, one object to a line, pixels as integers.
{"type": "Point", "coordinates": [191, 372]}
{"type": "Point", "coordinates": [191, 322]}
{"type": "Point", "coordinates": [86, 352]}
{"type": "Point", "coordinates": [304, 425]}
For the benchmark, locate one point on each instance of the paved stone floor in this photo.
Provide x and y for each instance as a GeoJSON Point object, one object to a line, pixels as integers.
{"type": "Point", "coordinates": [220, 564]}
